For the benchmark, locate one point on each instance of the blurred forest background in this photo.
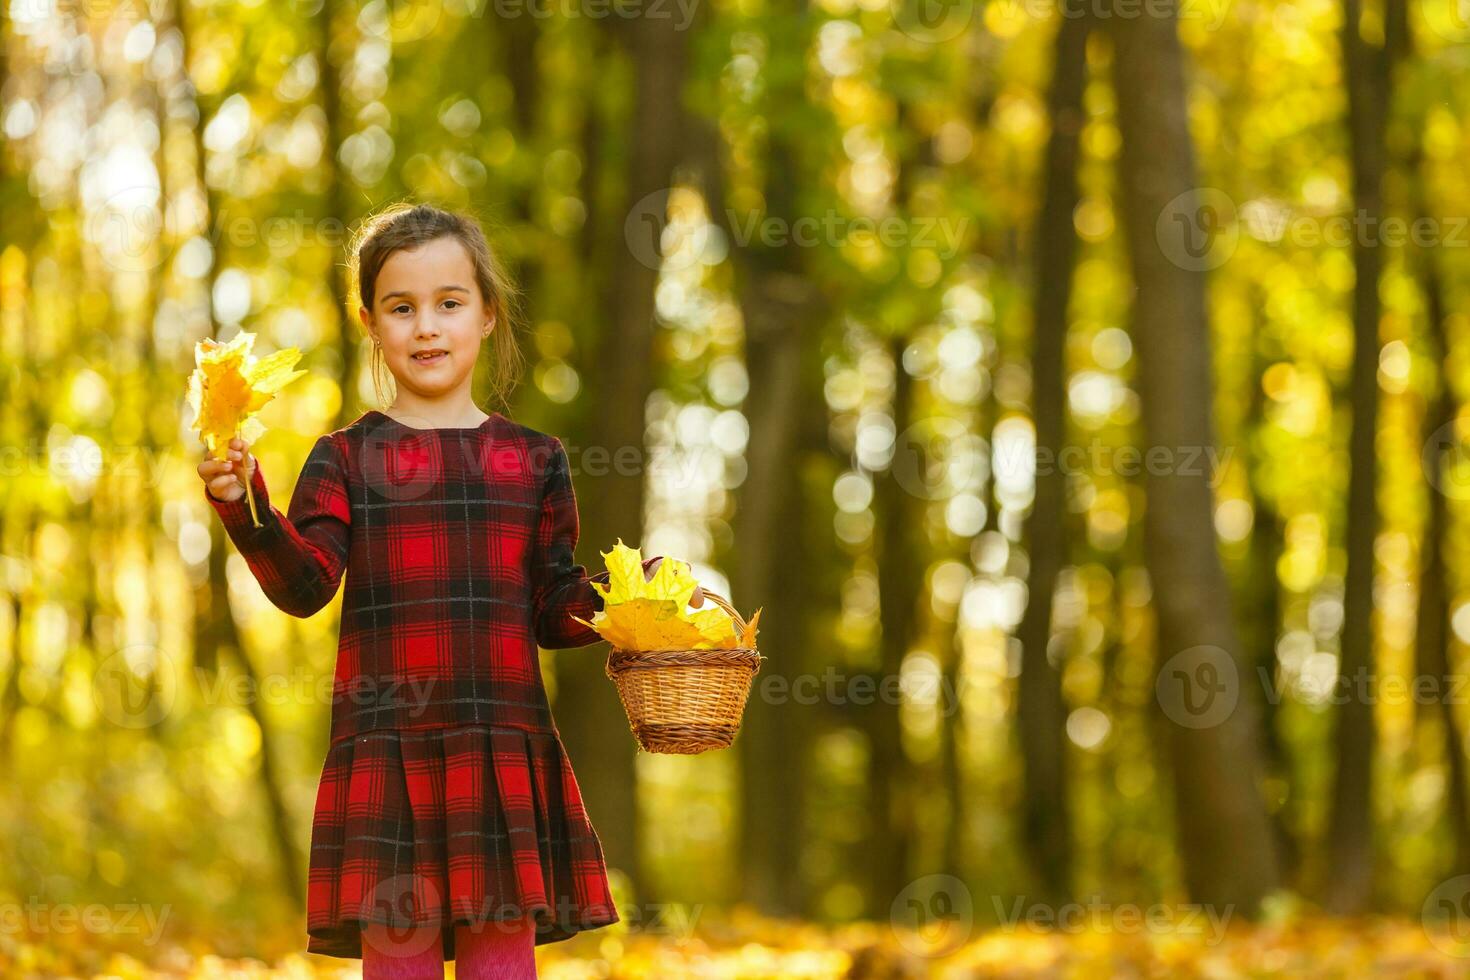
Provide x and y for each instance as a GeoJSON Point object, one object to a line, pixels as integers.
{"type": "Point", "coordinates": [1079, 389]}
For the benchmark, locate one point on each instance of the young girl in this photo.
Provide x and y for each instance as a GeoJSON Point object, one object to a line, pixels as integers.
{"type": "Point", "coordinates": [448, 820]}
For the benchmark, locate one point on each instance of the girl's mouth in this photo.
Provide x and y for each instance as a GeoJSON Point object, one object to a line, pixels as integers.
{"type": "Point", "coordinates": [431, 357]}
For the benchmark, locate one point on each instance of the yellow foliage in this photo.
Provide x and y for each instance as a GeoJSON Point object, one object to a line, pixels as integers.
{"type": "Point", "coordinates": [229, 385]}
{"type": "Point", "coordinates": [654, 614]}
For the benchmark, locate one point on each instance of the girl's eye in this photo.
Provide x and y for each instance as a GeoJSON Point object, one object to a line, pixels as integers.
{"type": "Point", "coordinates": [454, 301]}
{"type": "Point", "coordinates": [400, 308]}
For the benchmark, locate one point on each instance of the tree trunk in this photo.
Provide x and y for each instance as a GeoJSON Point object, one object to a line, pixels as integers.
{"type": "Point", "coordinates": [1040, 710]}
{"type": "Point", "coordinates": [350, 334]}
{"type": "Point", "coordinates": [772, 571]}
{"type": "Point", "coordinates": [1263, 627]}
{"type": "Point", "coordinates": [1225, 837]}
{"type": "Point", "coordinates": [1432, 636]}
{"type": "Point", "coordinates": [27, 517]}
{"type": "Point", "coordinates": [769, 511]}
{"type": "Point", "coordinates": [612, 504]}
{"type": "Point", "coordinates": [898, 517]}
{"type": "Point", "coordinates": [20, 225]}
{"type": "Point", "coordinates": [215, 629]}
{"type": "Point", "coordinates": [783, 315]}
{"type": "Point", "coordinates": [520, 36]}
{"type": "Point", "coordinates": [1350, 832]}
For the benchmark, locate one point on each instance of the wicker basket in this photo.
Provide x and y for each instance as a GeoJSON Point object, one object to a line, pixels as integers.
{"type": "Point", "coordinates": [685, 701]}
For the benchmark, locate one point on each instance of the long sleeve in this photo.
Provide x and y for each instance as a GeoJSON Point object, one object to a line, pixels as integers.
{"type": "Point", "coordinates": [299, 557]}
{"type": "Point", "coordinates": [562, 587]}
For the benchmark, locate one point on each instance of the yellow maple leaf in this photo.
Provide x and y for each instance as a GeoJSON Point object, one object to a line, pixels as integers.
{"type": "Point", "coordinates": [654, 614]}
{"type": "Point", "coordinates": [747, 635]}
{"type": "Point", "coordinates": [228, 386]}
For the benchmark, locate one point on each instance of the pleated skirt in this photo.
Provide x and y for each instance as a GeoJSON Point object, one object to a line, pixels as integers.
{"type": "Point", "coordinates": [451, 826]}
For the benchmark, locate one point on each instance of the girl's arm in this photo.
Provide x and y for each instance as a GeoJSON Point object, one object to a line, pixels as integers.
{"type": "Point", "coordinates": [298, 558]}
{"type": "Point", "coordinates": [562, 588]}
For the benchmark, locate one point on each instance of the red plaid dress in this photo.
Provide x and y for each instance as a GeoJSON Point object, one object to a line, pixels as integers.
{"type": "Point", "coordinates": [446, 795]}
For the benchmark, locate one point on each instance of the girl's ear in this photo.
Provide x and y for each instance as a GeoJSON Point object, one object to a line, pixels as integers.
{"type": "Point", "coordinates": [367, 320]}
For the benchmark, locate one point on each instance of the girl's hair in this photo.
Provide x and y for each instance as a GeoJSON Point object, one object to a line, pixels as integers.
{"type": "Point", "coordinates": [408, 225]}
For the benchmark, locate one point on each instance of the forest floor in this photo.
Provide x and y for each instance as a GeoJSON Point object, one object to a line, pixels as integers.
{"type": "Point", "coordinates": [743, 946]}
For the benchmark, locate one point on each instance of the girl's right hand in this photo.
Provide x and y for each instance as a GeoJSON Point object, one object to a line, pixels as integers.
{"type": "Point", "coordinates": [225, 478]}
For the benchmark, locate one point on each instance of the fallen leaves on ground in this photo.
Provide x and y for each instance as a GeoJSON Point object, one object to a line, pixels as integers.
{"type": "Point", "coordinates": [704, 944]}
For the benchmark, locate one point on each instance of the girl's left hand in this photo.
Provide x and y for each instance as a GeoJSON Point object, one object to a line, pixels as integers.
{"type": "Point", "coordinates": [696, 600]}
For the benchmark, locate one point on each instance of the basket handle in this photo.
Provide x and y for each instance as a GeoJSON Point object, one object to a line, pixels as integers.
{"type": "Point", "coordinates": [724, 604]}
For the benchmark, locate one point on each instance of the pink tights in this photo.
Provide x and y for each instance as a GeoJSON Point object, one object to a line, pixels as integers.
{"type": "Point", "coordinates": [487, 951]}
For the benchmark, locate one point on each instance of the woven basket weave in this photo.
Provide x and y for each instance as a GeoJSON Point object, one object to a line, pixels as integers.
{"type": "Point", "coordinates": [685, 701]}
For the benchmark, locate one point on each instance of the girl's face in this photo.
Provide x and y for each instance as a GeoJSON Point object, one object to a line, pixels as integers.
{"type": "Point", "coordinates": [429, 318]}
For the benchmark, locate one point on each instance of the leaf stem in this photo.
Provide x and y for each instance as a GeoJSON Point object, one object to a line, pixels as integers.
{"type": "Point", "coordinates": [249, 494]}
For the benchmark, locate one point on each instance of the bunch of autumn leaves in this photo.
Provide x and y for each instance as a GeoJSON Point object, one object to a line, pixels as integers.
{"type": "Point", "coordinates": [653, 614]}
{"type": "Point", "coordinates": [230, 385]}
